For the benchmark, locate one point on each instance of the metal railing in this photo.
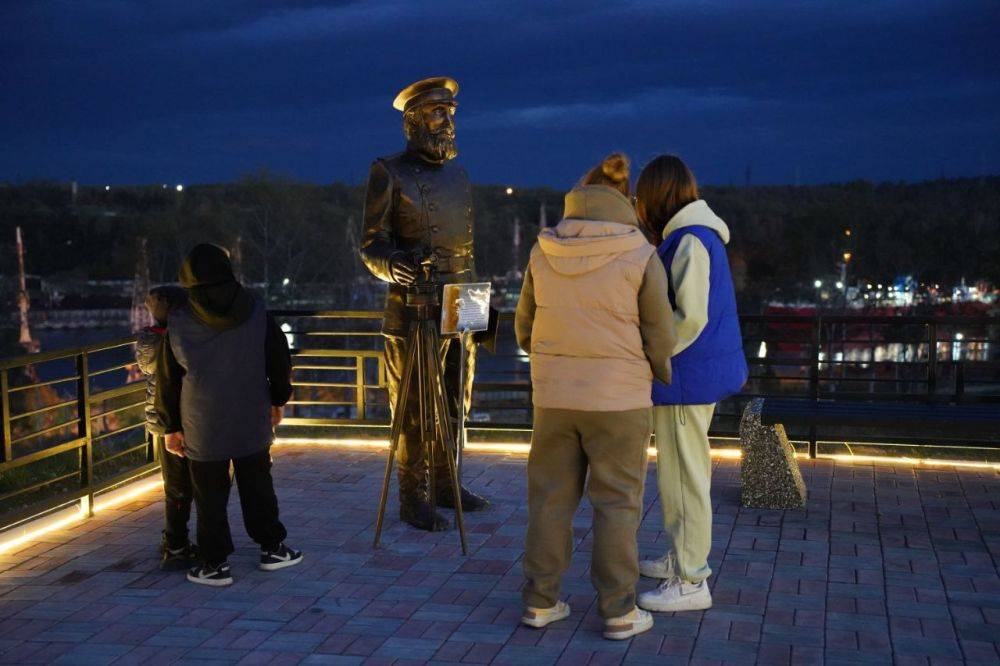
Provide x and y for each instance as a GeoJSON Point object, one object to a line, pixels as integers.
{"type": "Point", "coordinates": [72, 420]}
{"type": "Point", "coordinates": [926, 359]}
{"type": "Point", "coordinates": [72, 427]}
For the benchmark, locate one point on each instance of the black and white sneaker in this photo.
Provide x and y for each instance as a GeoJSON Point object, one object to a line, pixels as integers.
{"type": "Point", "coordinates": [280, 558]}
{"type": "Point", "coordinates": [217, 576]}
{"type": "Point", "coordinates": [179, 559]}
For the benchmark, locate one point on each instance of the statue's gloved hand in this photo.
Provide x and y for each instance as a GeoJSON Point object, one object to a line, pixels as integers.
{"type": "Point", "coordinates": [403, 269]}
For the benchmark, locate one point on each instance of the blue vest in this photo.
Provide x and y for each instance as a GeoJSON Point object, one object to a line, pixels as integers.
{"type": "Point", "coordinates": [713, 367]}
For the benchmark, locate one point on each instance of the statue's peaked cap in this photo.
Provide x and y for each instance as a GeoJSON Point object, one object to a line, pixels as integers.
{"type": "Point", "coordinates": [435, 89]}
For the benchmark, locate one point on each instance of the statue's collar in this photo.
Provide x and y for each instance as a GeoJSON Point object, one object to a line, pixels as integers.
{"type": "Point", "coordinates": [420, 158]}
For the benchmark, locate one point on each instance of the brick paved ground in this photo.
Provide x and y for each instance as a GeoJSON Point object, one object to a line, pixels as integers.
{"type": "Point", "coordinates": [888, 563]}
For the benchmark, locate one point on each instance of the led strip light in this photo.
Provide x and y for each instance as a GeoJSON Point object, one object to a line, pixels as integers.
{"type": "Point", "coordinates": [35, 529]}
{"type": "Point", "coordinates": [727, 453]}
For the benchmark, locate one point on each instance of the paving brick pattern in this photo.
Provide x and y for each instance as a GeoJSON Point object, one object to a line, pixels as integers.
{"type": "Point", "coordinates": [889, 563]}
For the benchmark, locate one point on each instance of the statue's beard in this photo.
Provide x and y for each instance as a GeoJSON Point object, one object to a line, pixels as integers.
{"type": "Point", "coordinates": [434, 146]}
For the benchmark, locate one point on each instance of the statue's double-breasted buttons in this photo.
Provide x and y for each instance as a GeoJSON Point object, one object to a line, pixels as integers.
{"type": "Point", "coordinates": [434, 208]}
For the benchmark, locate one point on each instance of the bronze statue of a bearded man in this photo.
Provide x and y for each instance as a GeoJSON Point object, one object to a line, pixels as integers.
{"type": "Point", "coordinates": [418, 203]}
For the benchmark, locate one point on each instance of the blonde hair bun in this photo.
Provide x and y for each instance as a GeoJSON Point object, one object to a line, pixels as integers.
{"type": "Point", "coordinates": [616, 167]}
{"type": "Point", "coordinates": [612, 171]}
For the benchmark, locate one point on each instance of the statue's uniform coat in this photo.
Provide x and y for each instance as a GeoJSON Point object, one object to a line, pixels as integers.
{"type": "Point", "coordinates": [412, 205]}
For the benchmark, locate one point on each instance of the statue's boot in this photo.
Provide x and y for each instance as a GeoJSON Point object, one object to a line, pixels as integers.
{"type": "Point", "coordinates": [446, 498]}
{"type": "Point", "coordinates": [411, 468]}
{"type": "Point", "coordinates": [419, 513]}
{"type": "Point", "coordinates": [414, 504]}
{"type": "Point", "coordinates": [470, 500]}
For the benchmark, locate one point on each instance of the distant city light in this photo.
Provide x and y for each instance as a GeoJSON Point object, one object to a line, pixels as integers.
{"type": "Point", "coordinates": [847, 257]}
{"type": "Point", "coordinates": [847, 232]}
{"type": "Point", "coordinates": [285, 282]}
{"type": "Point", "coordinates": [817, 283]}
{"type": "Point", "coordinates": [510, 191]}
{"type": "Point", "coordinates": [959, 336]}
{"type": "Point", "coordinates": [180, 188]}
{"type": "Point", "coordinates": [107, 188]}
{"type": "Point", "coordinates": [164, 186]}
{"type": "Point", "coordinates": [880, 286]}
{"type": "Point", "coordinates": [840, 285]}
{"type": "Point", "coordinates": [871, 286]}
{"type": "Point", "coordinates": [286, 327]}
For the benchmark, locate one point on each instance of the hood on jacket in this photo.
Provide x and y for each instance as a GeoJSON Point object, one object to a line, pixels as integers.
{"type": "Point", "coordinates": [697, 214]}
{"type": "Point", "coordinates": [214, 296]}
{"type": "Point", "coordinates": [599, 224]}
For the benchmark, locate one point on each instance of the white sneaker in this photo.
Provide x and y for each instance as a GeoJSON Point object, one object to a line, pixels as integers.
{"type": "Point", "coordinates": [628, 625]}
{"type": "Point", "coordinates": [675, 595]}
{"type": "Point", "coordinates": [541, 617]}
{"type": "Point", "coordinates": [664, 567]}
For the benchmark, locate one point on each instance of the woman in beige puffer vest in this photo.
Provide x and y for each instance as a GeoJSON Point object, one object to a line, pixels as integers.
{"type": "Point", "coordinates": [592, 317]}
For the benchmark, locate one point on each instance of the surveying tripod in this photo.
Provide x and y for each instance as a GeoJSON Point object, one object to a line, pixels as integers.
{"type": "Point", "coordinates": [423, 359]}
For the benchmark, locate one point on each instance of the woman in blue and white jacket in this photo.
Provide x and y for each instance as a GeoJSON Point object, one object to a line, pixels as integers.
{"type": "Point", "coordinates": [708, 365]}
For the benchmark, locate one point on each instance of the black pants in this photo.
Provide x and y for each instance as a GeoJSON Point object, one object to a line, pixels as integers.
{"type": "Point", "coordinates": [257, 499]}
{"type": "Point", "coordinates": [177, 495]}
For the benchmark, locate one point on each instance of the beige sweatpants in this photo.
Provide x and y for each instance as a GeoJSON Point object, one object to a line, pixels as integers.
{"type": "Point", "coordinates": [684, 478]}
{"type": "Point", "coordinates": [566, 444]}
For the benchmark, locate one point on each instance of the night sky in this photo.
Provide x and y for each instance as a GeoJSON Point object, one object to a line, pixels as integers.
{"type": "Point", "coordinates": [195, 91]}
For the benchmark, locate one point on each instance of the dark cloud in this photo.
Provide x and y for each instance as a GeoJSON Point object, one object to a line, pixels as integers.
{"type": "Point", "coordinates": [194, 91]}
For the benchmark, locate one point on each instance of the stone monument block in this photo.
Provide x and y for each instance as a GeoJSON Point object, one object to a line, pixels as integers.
{"type": "Point", "coordinates": [769, 473]}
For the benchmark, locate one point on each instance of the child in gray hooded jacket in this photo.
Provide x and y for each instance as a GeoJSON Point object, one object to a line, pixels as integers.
{"type": "Point", "coordinates": [177, 552]}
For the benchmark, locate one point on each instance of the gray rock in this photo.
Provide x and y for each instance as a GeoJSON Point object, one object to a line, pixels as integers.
{"type": "Point", "coordinates": [769, 472]}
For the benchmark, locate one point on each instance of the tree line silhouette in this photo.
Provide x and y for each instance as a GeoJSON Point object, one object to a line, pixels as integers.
{"type": "Point", "coordinates": [784, 237]}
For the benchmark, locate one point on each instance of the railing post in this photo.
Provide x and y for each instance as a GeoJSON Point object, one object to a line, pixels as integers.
{"type": "Point", "coordinates": [6, 454]}
{"type": "Point", "coordinates": [959, 380]}
{"type": "Point", "coordinates": [359, 379]}
{"type": "Point", "coordinates": [814, 379]}
{"type": "Point", "coordinates": [932, 354]}
{"type": "Point", "coordinates": [85, 430]}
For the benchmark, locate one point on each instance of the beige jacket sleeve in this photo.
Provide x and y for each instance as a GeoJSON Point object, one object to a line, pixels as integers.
{"type": "Point", "coordinates": [655, 319]}
{"type": "Point", "coordinates": [524, 318]}
{"type": "Point", "coordinates": [689, 274]}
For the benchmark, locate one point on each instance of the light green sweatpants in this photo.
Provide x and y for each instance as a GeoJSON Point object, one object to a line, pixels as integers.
{"type": "Point", "coordinates": [684, 478]}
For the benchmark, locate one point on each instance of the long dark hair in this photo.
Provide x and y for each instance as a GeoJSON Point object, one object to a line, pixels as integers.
{"type": "Point", "coordinates": [665, 186]}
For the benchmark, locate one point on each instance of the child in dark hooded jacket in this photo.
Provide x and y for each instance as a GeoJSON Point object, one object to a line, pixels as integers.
{"type": "Point", "coordinates": [222, 378]}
